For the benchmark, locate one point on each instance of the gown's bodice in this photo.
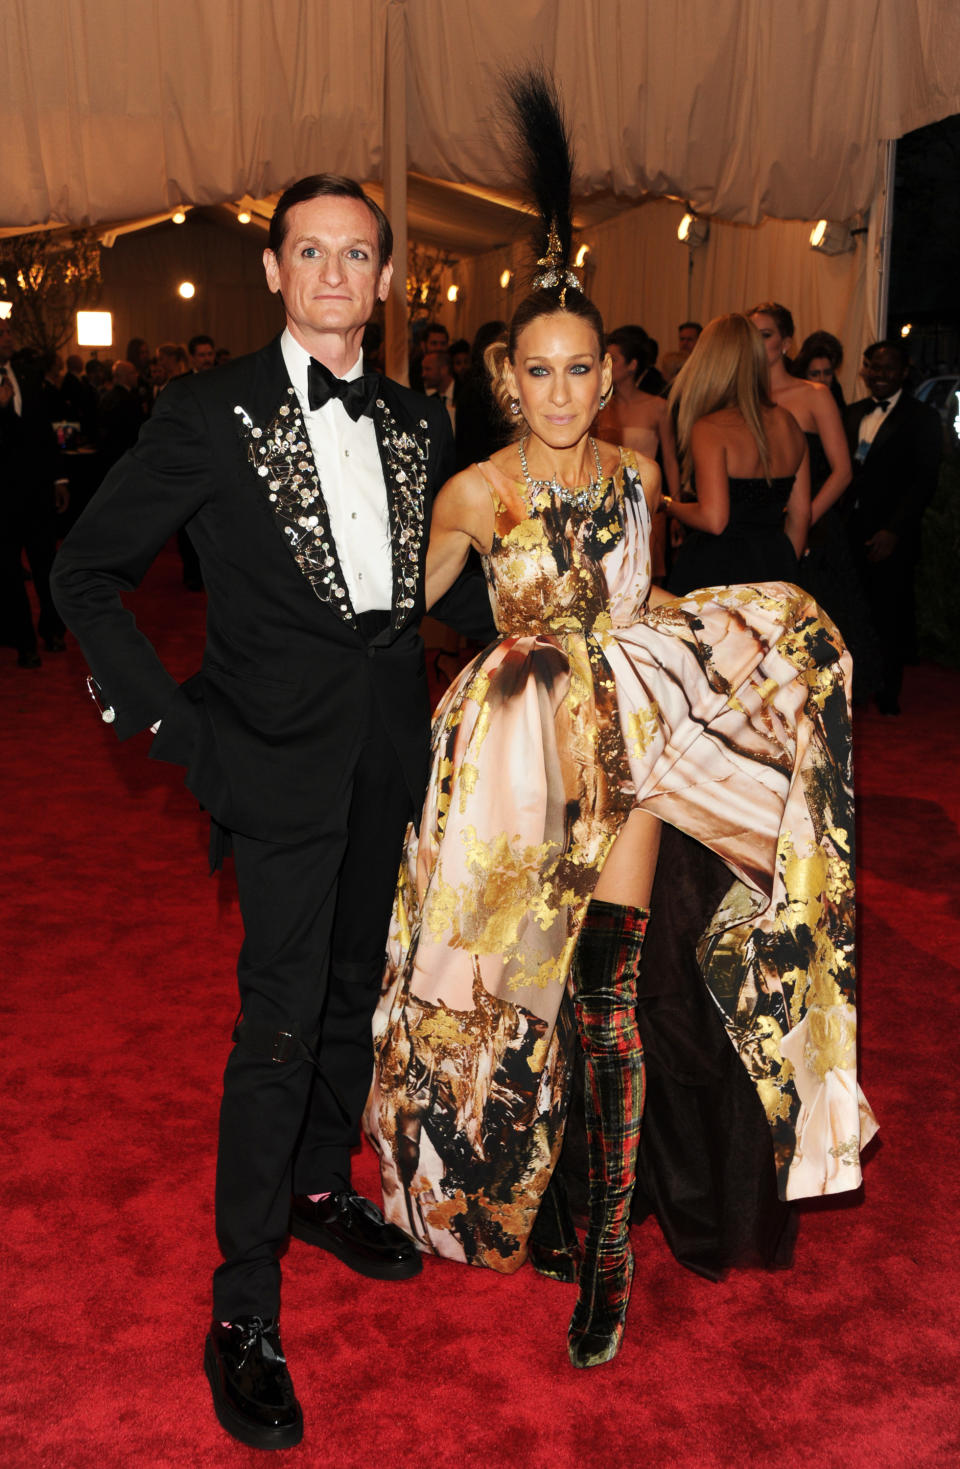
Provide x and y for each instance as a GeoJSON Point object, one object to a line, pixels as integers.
{"type": "Point", "coordinates": [752, 547]}
{"type": "Point", "coordinates": [555, 570]}
{"type": "Point", "coordinates": [758, 504]}
{"type": "Point", "coordinates": [819, 463]}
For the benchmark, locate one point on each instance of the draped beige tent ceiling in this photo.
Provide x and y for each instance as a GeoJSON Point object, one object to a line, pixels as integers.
{"type": "Point", "coordinates": [745, 107]}
{"type": "Point", "coordinates": [749, 109]}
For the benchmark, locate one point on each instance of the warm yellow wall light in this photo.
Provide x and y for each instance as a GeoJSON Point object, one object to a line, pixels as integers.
{"type": "Point", "coordinates": [94, 329]}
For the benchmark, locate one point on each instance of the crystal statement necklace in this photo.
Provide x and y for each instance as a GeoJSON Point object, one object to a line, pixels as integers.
{"type": "Point", "coordinates": [579, 499]}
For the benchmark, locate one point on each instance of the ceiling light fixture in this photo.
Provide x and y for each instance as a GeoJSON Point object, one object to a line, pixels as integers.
{"type": "Point", "coordinates": [692, 230]}
{"type": "Point", "coordinates": [830, 238]}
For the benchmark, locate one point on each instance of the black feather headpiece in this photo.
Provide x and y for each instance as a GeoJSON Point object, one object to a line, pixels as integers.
{"type": "Point", "coordinates": [544, 155]}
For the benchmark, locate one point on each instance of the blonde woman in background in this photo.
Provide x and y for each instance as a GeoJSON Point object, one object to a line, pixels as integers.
{"type": "Point", "coordinates": [747, 460]}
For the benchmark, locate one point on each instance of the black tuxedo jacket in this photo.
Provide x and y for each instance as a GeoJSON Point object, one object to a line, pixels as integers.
{"type": "Point", "coordinates": [29, 457]}
{"type": "Point", "coordinates": [118, 422]}
{"type": "Point", "coordinates": [893, 486]}
{"type": "Point", "coordinates": [79, 403]}
{"type": "Point", "coordinates": [268, 728]}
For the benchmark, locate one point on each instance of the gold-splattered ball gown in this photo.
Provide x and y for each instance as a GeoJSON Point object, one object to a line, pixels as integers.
{"type": "Point", "coordinates": [725, 714]}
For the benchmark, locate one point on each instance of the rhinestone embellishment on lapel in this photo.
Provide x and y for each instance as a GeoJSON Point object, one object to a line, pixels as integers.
{"type": "Point", "coordinates": [283, 460]}
{"type": "Point", "coordinates": [406, 456]}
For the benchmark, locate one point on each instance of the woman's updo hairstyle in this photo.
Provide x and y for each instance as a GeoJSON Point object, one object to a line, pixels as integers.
{"type": "Point", "coordinates": [778, 314]}
{"type": "Point", "coordinates": [544, 160]}
{"type": "Point", "coordinates": [636, 346]}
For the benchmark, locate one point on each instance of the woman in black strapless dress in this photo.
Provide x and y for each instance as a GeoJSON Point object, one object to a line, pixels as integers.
{"type": "Point", "coordinates": [748, 461]}
{"type": "Point", "coordinates": [828, 570]}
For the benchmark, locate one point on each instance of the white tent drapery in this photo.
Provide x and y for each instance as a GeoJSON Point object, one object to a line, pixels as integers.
{"type": "Point", "coordinates": [745, 107]}
{"type": "Point", "coordinates": [749, 109]}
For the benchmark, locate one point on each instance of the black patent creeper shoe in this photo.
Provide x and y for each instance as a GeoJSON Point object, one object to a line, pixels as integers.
{"type": "Point", "coordinates": [253, 1396]}
{"type": "Point", "coordinates": [354, 1230]}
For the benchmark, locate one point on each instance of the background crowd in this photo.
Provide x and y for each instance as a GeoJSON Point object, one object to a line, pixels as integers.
{"type": "Point", "coordinates": [873, 463]}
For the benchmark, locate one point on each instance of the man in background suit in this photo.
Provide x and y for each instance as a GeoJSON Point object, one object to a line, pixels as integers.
{"type": "Point", "coordinates": [79, 398]}
{"type": "Point", "coordinates": [895, 447]}
{"type": "Point", "coordinates": [307, 487]}
{"type": "Point", "coordinates": [119, 416]}
{"type": "Point", "coordinates": [30, 495]}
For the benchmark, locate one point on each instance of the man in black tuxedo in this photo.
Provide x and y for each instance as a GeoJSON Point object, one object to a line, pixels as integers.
{"type": "Point", "coordinates": [119, 416]}
{"type": "Point", "coordinates": [307, 488]}
{"type": "Point", "coordinates": [895, 446]}
{"type": "Point", "coordinates": [79, 398]}
{"type": "Point", "coordinates": [31, 493]}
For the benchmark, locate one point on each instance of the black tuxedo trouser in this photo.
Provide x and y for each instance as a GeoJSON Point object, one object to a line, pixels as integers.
{"type": "Point", "coordinates": [315, 917]}
{"type": "Point", "coordinates": [35, 533]}
{"type": "Point", "coordinates": [889, 589]}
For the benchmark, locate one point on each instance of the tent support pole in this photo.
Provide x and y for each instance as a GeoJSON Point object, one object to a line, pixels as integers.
{"type": "Point", "coordinates": [395, 186]}
{"type": "Point", "coordinates": [882, 255]}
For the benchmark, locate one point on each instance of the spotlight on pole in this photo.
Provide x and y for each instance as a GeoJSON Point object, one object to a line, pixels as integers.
{"type": "Point", "coordinates": [187, 290]}
{"type": "Point", "coordinates": [453, 293]}
{"type": "Point", "coordinates": [831, 238]}
{"type": "Point", "coordinates": [506, 277]}
{"type": "Point", "coordinates": [693, 231]}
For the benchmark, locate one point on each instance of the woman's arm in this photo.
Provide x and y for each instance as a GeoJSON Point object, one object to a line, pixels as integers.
{"type": "Point", "coordinates": [710, 511]}
{"type": "Point", "coordinates": [668, 448]}
{"type": "Point", "coordinates": [462, 517]}
{"type": "Point", "coordinates": [650, 482]}
{"type": "Point", "coordinates": [797, 520]}
{"type": "Point", "coordinates": [826, 416]}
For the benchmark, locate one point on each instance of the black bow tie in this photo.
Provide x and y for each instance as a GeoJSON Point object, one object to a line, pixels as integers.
{"type": "Point", "coordinates": [356, 396]}
{"type": "Point", "coordinates": [883, 403]}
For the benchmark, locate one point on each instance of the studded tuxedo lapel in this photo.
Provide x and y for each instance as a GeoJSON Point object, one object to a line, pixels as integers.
{"type": "Point", "coordinates": [404, 454]}
{"type": "Point", "coordinates": [282, 458]}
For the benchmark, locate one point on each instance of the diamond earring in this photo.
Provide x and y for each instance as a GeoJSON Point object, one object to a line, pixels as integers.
{"type": "Point", "coordinates": [515, 407]}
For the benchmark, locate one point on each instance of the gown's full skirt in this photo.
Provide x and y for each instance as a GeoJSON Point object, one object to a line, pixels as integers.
{"type": "Point", "coordinates": [723, 713]}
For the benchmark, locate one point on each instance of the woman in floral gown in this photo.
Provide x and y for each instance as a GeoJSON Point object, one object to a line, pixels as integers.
{"type": "Point", "coordinates": [604, 709]}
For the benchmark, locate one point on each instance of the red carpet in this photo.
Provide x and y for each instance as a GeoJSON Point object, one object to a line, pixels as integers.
{"type": "Point", "coordinates": [118, 991]}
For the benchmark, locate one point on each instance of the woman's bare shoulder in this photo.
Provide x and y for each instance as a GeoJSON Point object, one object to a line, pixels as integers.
{"type": "Point", "coordinates": [612, 455]}
{"type": "Point", "coordinates": [466, 492]}
{"type": "Point", "coordinates": [780, 421]}
{"type": "Point", "coordinates": [506, 460]}
{"type": "Point", "coordinates": [721, 424]}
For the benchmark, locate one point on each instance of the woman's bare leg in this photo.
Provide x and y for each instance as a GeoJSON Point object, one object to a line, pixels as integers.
{"type": "Point", "coordinates": [627, 875]}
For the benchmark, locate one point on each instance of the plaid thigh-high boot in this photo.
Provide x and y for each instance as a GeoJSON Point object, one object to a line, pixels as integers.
{"type": "Point", "coordinates": [605, 967]}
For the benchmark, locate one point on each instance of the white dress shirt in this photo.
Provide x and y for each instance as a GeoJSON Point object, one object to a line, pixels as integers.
{"type": "Point", "coordinates": [446, 398]}
{"type": "Point", "coordinates": [12, 380]}
{"type": "Point", "coordinates": [870, 424]}
{"type": "Point", "coordinates": [351, 480]}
